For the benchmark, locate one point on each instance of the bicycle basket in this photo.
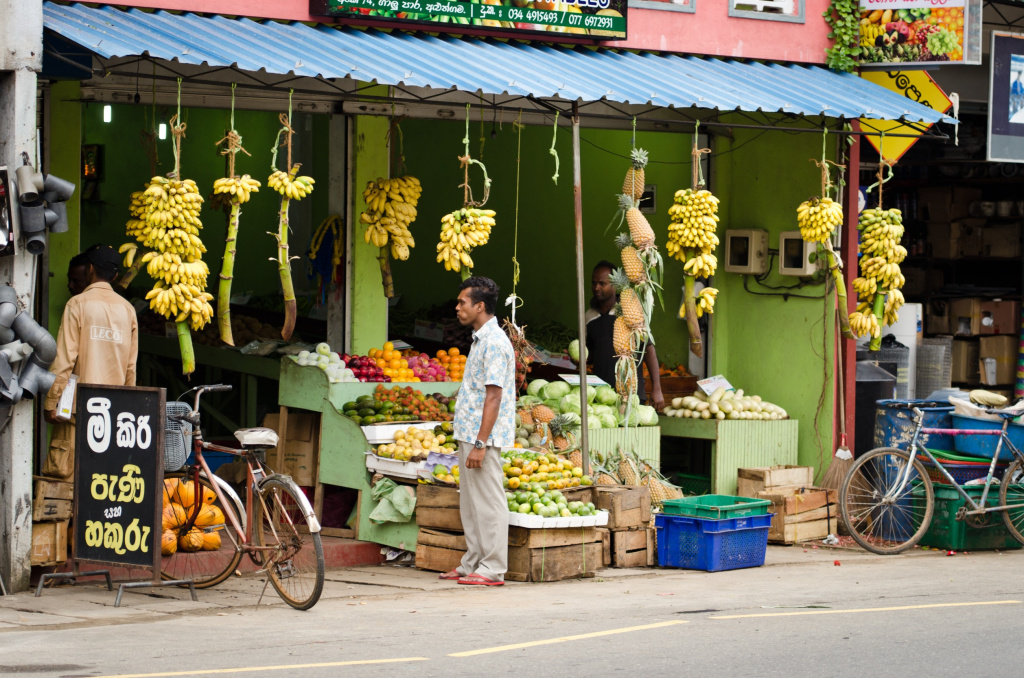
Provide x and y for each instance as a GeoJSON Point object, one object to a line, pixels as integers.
{"type": "Point", "coordinates": [177, 437]}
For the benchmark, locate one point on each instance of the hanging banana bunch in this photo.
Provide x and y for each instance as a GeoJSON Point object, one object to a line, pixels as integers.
{"type": "Point", "coordinates": [236, 190]}
{"type": "Point", "coordinates": [692, 239]}
{"type": "Point", "coordinates": [291, 186]}
{"type": "Point", "coordinates": [878, 287]}
{"type": "Point", "coordinates": [390, 210]}
{"type": "Point", "coordinates": [461, 231]}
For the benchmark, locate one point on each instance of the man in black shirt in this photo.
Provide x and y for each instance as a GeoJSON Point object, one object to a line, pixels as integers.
{"type": "Point", "coordinates": [600, 323]}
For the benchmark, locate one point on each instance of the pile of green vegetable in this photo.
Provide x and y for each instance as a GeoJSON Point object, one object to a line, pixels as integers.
{"type": "Point", "coordinates": [604, 406]}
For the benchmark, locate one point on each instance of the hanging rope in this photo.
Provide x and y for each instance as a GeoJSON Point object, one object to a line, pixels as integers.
{"type": "Point", "coordinates": [883, 165]}
{"type": "Point", "coordinates": [178, 132]}
{"type": "Point", "coordinates": [286, 128]}
{"type": "Point", "coordinates": [513, 299]}
{"type": "Point", "coordinates": [553, 151]}
{"type": "Point", "coordinates": [467, 160]}
{"type": "Point", "coordinates": [697, 172]}
{"type": "Point", "coordinates": [823, 165]}
{"type": "Point", "coordinates": [233, 139]}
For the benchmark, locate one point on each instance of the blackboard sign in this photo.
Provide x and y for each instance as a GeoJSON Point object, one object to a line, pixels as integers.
{"type": "Point", "coordinates": [119, 472]}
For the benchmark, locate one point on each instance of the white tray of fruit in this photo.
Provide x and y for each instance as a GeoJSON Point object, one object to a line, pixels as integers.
{"type": "Point", "coordinates": [385, 433]}
{"type": "Point", "coordinates": [394, 467]}
{"type": "Point", "coordinates": [551, 510]}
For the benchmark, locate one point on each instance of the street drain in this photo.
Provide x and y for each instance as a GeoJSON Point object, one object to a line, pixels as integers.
{"type": "Point", "coordinates": [696, 611]}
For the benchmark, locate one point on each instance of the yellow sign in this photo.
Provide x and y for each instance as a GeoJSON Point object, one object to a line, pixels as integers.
{"type": "Point", "coordinates": [915, 85]}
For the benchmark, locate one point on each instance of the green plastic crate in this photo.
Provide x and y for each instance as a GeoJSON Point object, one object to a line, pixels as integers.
{"type": "Point", "coordinates": [946, 532]}
{"type": "Point", "coordinates": [691, 484]}
{"type": "Point", "coordinates": [717, 506]}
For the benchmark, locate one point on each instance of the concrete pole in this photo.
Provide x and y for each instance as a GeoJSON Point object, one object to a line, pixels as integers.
{"type": "Point", "coordinates": [21, 34]}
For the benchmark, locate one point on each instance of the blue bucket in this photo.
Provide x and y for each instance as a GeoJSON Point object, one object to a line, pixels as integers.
{"type": "Point", "coordinates": [985, 446]}
{"type": "Point", "coordinates": [894, 424]}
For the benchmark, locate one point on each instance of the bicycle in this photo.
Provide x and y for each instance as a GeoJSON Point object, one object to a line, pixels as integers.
{"type": "Point", "coordinates": [276, 527]}
{"type": "Point", "coordinates": [886, 501]}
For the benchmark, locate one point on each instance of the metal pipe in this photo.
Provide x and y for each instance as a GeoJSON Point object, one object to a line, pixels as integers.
{"type": "Point", "coordinates": [577, 192]}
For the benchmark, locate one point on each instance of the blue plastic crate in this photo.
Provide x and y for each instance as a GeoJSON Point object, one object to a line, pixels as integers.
{"type": "Point", "coordinates": [213, 459]}
{"type": "Point", "coordinates": [712, 545]}
{"type": "Point", "coordinates": [985, 446]}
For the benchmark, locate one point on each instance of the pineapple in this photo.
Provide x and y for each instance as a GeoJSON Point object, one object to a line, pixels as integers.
{"type": "Point", "coordinates": [634, 184]}
{"type": "Point", "coordinates": [542, 413]}
{"type": "Point", "coordinates": [632, 309]}
{"type": "Point", "coordinates": [627, 384]}
{"type": "Point", "coordinates": [640, 232]}
{"type": "Point", "coordinates": [525, 417]}
{"type": "Point", "coordinates": [628, 472]}
{"type": "Point", "coordinates": [605, 478]}
{"type": "Point", "coordinates": [576, 457]}
{"type": "Point", "coordinates": [623, 339]}
{"type": "Point", "coordinates": [562, 432]}
{"type": "Point", "coordinates": [631, 264]}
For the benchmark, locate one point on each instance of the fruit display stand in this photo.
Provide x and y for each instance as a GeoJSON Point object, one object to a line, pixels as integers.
{"type": "Point", "coordinates": [738, 443]}
{"type": "Point", "coordinates": [343, 445]}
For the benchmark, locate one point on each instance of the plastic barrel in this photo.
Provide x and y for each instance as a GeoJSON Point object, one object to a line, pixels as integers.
{"type": "Point", "coordinates": [894, 424]}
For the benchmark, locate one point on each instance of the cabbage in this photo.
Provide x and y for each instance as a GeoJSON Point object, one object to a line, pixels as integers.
{"type": "Point", "coordinates": [606, 395]}
{"type": "Point", "coordinates": [535, 386]}
{"type": "Point", "coordinates": [594, 423]}
{"type": "Point", "coordinates": [555, 390]}
{"type": "Point", "coordinates": [573, 418]}
{"type": "Point", "coordinates": [554, 404]}
{"type": "Point", "coordinates": [528, 401]}
{"type": "Point", "coordinates": [608, 420]}
{"type": "Point", "coordinates": [647, 415]}
{"type": "Point", "coordinates": [570, 403]}
{"type": "Point", "coordinates": [574, 350]}
{"type": "Point", "coordinates": [600, 409]}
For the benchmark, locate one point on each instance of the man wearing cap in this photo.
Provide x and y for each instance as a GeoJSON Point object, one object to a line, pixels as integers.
{"type": "Point", "coordinates": [98, 342]}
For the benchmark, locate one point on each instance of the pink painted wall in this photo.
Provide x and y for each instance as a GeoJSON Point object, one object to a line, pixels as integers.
{"type": "Point", "coordinates": [708, 31]}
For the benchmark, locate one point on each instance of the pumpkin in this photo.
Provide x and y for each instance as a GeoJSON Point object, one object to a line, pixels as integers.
{"type": "Point", "coordinates": [170, 487]}
{"type": "Point", "coordinates": [192, 541]}
{"type": "Point", "coordinates": [185, 493]}
{"type": "Point", "coordinates": [210, 516]}
{"type": "Point", "coordinates": [209, 496]}
{"type": "Point", "coordinates": [169, 542]}
{"type": "Point", "coordinates": [211, 541]}
{"type": "Point", "coordinates": [174, 516]}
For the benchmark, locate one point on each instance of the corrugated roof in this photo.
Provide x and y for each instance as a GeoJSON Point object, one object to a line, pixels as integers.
{"type": "Point", "coordinates": [480, 65]}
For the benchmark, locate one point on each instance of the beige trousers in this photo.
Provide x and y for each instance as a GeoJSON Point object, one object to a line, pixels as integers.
{"type": "Point", "coordinates": [484, 511]}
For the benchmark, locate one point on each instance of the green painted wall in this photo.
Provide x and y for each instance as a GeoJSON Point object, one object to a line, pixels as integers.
{"type": "Point", "coordinates": [65, 162]}
{"type": "Point", "coordinates": [127, 169]}
{"type": "Point", "coordinates": [764, 344]}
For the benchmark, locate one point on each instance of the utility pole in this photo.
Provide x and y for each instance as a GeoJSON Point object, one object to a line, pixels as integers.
{"type": "Point", "coordinates": [21, 58]}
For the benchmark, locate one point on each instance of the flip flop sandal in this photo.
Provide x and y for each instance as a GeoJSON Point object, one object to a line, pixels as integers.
{"type": "Point", "coordinates": [479, 580]}
{"type": "Point", "coordinates": [450, 574]}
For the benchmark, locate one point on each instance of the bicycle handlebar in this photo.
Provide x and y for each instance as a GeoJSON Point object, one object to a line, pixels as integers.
{"type": "Point", "coordinates": [216, 387]}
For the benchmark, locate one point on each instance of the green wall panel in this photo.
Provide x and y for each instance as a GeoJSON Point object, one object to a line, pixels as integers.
{"type": "Point", "coordinates": [65, 162]}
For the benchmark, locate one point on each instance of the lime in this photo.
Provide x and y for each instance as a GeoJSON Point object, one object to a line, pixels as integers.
{"type": "Point", "coordinates": [524, 508]}
{"type": "Point", "coordinates": [538, 507]}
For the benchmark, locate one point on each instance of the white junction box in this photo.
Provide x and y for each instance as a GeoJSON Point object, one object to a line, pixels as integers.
{"type": "Point", "coordinates": [746, 251]}
{"type": "Point", "coordinates": [795, 255]}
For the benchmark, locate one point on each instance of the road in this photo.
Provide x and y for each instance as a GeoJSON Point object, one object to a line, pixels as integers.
{"type": "Point", "coordinates": [800, 615]}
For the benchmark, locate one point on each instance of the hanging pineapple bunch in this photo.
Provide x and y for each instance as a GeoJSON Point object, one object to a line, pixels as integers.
{"type": "Point", "coordinates": [878, 287]}
{"type": "Point", "coordinates": [390, 210]}
{"type": "Point", "coordinates": [461, 231]}
{"type": "Point", "coordinates": [236, 190]}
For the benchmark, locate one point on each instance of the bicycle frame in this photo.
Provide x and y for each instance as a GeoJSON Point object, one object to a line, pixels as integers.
{"type": "Point", "coordinates": [976, 508]}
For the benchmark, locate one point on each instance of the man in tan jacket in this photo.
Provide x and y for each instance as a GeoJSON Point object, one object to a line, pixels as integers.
{"type": "Point", "coordinates": [98, 342]}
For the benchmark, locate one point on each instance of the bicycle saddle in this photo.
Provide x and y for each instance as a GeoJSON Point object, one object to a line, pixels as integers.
{"type": "Point", "coordinates": [257, 437]}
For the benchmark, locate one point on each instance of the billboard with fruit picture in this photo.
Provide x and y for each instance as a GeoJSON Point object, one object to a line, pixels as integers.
{"type": "Point", "coordinates": [600, 19]}
{"type": "Point", "coordinates": [920, 31]}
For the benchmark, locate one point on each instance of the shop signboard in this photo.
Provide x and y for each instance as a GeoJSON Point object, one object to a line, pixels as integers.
{"type": "Point", "coordinates": [920, 32]}
{"type": "Point", "coordinates": [119, 468]}
{"type": "Point", "coordinates": [915, 85]}
{"type": "Point", "coordinates": [1006, 99]}
{"type": "Point", "coordinates": [598, 19]}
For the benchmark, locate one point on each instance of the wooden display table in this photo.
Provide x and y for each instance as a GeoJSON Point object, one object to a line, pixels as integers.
{"type": "Point", "coordinates": [738, 444]}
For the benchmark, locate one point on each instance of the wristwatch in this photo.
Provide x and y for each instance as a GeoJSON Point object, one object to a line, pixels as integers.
{"type": "Point", "coordinates": [479, 444]}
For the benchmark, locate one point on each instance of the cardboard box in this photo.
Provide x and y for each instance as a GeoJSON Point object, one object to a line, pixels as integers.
{"type": "Point", "coordinates": [936, 316]}
{"type": "Point", "coordinates": [628, 506]}
{"type": "Point", "coordinates": [965, 362]}
{"type": "Point", "coordinates": [952, 239]}
{"type": "Point", "coordinates": [423, 329]}
{"type": "Point", "coordinates": [921, 283]}
{"type": "Point", "coordinates": [1002, 241]}
{"type": "Point", "coordinates": [965, 317]}
{"type": "Point", "coordinates": [49, 543]}
{"type": "Point", "coordinates": [51, 500]}
{"type": "Point", "coordinates": [750, 481]}
{"type": "Point", "coordinates": [1000, 316]}
{"type": "Point", "coordinates": [437, 507]}
{"type": "Point", "coordinates": [945, 204]}
{"type": "Point", "coordinates": [298, 449]}
{"type": "Point", "coordinates": [997, 359]}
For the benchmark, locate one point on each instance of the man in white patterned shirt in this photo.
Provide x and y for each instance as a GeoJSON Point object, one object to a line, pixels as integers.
{"type": "Point", "coordinates": [484, 424]}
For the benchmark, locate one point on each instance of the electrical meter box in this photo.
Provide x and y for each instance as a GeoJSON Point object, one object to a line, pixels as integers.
{"type": "Point", "coordinates": [746, 251]}
{"type": "Point", "coordinates": [795, 255]}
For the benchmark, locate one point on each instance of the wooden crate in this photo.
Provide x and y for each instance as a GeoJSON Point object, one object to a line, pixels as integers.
{"type": "Point", "coordinates": [628, 505]}
{"type": "Point", "coordinates": [51, 500]}
{"type": "Point", "coordinates": [551, 537]}
{"type": "Point", "coordinates": [796, 512]}
{"type": "Point", "coordinates": [553, 564]}
{"type": "Point", "coordinates": [629, 548]}
{"type": "Point", "coordinates": [439, 551]}
{"type": "Point", "coordinates": [750, 481]}
{"type": "Point", "coordinates": [794, 533]}
{"type": "Point", "coordinates": [49, 543]}
{"type": "Point", "coordinates": [437, 507]}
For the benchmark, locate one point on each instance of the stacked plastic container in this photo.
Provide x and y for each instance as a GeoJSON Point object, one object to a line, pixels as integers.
{"type": "Point", "coordinates": [713, 532]}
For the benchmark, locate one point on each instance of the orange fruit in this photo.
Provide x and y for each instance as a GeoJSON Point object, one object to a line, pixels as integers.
{"type": "Point", "coordinates": [388, 346]}
{"type": "Point", "coordinates": [445, 360]}
{"type": "Point", "coordinates": [453, 351]}
{"type": "Point", "coordinates": [395, 363]}
{"type": "Point", "coordinates": [441, 354]}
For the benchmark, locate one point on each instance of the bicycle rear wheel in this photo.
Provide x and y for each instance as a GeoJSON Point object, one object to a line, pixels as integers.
{"type": "Point", "coordinates": [208, 567]}
{"type": "Point", "coordinates": [1011, 492]}
{"type": "Point", "coordinates": [296, 565]}
{"type": "Point", "coordinates": [877, 516]}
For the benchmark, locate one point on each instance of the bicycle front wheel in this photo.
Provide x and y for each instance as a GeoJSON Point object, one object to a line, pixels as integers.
{"type": "Point", "coordinates": [218, 554]}
{"type": "Point", "coordinates": [295, 564]}
{"type": "Point", "coordinates": [880, 515]}
{"type": "Point", "coordinates": [1011, 493]}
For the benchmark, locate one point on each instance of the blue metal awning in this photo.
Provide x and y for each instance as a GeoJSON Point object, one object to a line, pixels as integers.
{"type": "Point", "coordinates": [481, 65]}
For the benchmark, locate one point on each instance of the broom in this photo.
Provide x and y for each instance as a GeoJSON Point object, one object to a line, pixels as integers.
{"type": "Point", "coordinates": [842, 460]}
